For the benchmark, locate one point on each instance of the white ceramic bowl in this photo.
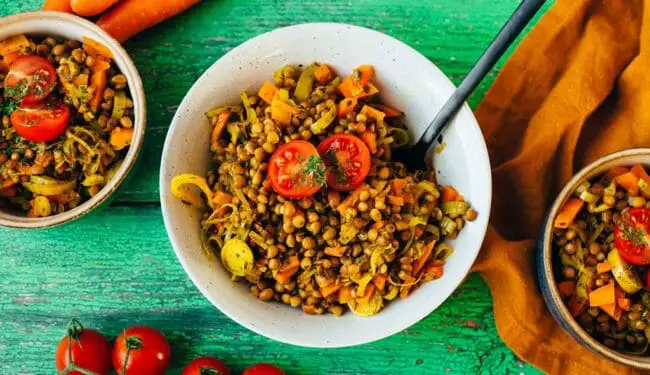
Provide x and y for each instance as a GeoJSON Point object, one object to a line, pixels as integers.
{"type": "Point", "coordinates": [72, 27]}
{"type": "Point", "coordinates": [407, 81]}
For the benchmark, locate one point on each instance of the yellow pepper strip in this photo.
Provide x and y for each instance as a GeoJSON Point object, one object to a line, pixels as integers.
{"type": "Point", "coordinates": [183, 193]}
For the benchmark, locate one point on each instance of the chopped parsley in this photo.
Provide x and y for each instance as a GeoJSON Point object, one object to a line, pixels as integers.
{"type": "Point", "coordinates": [315, 168]}
{"type": "Point", "coordinates": [631, 233]}
{"type": "Point", "coordinates": [337, 168]}
{"type": "Point", "coordinates": [8, 106]}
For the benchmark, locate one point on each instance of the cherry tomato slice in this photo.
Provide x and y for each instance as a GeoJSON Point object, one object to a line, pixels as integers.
{"type": "Point", "coordinates": [87, 349]}
{"type": "Point", "coordinates": [631, 235]}
{"type": "Point", "coordinates": [206, 366]}
{"type": "Point", "coordinates": [30, 79]}
{"type": "Point", "coordinates": [348, 161]}
{"type": "Point", "coordinates": [141, 350]}
{"type": "Point", "coordinates": [296, 171]}
{"type": "Point", "coordinates": [263, 369]}
{"type": "Point", "coordinates": [40, 122]}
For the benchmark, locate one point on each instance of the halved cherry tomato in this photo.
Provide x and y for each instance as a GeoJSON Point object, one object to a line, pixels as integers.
{"type": "Point", "coordinates": [30, 79]}
{"type": "Point", "coordinates": [631, 235]}
{"type": "Point", "coordinates": [296, 171]}
{"type": "Point", "coordinates": [263, 369]}
{"type": "Point", "coordinates": [40, 122]}
{"type": "Point", "coordinates": [206, 366]}
{"type": "Point", "coordinates": [83, 348]}
{"type": "Point", "coordinates": [348, 161]}
{"type": "Point", "coordinates": [141, 350]}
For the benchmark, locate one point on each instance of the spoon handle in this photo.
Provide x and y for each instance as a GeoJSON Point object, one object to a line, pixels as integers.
{"type": "Point", "coordinates": [509, 32]}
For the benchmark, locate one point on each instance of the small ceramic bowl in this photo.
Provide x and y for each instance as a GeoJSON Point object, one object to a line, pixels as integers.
{"type": "Point", "coordinates": [545, 259]}
{"type": "Point", "coordinates": [73, 27]}
{"type": "Point", "coordinates": [407, 81]}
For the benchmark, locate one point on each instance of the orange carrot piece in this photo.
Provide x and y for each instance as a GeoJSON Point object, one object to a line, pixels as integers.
{"type": "Point", "coordinates": [397, 186]}
{"type": "Point", "coordinates": [448, 194]}
{"type": "Point", "coordinates": [366, 74]}
{"type": "Point", "coordinates": [388, 111]}
{"type": "Point", "coordinates": [121, 137]}
{"type": "Point", "coordinates": [221, 198]}
{"type": "Point", "coordinates": [624, 303]}
{"type": "Point", "coordinates": [130, 17]}
{"type": "Point", "coordinates": [603, 267]}
{"type": "Point", "coordinates": [101, 65]}
{"type": "Point", "coordinates": [602, 296]}
{"type": "Point", "coordinates": [380, 281]}
{"type": "Point", "coordinates": [346, 106]}
{"type": "Point", "coordinates": [335, 251]}
{"type": "Point", "coordinates": [616, 171]}
{"type": "Point", "coordinates": [282, 112]}
{"type": "Point", "coordinates": [222, 120]}
{"type": "Point", "coordinates": [612, 310]}
{"type": "Point", "coordinates": [370, 140]}
{"type": "Point", "coordinates": [330, 289]}
{"type": "Point", "coordinates": [351, 199]}
{"type": "Point", "coordinates": [98, 80]}
{"type": "Point", "coordinates": [376, 114]}
{"type": "Point", "coordinates": [421, 261]}
{"type": "Point", "coordinates": [568, 213]}
{"type": "Point", "coordinates": [323, 74]}
{"type": "Point", "coordinates": [575, 306]}
{"type": "Point", "coordinates": [58, 5]}
{"type": "Point", "coordinates": [351, 89]}
{"type": "Point", "coordinates": [641, 173]}
{"type": "Point", "coordinates": [267, 91]}
{"type": "Point", "coordinates": [90, 8]}
{"type": "Point", "coordinates": [345, 295]}
{"type": "Point", "coordinates": [95, 48]}
{"type": "Point", "coordinates": [433, 272]}
{"type": "Point", "coordinates": [409, 198]}
{"type": "Point", "coordinates": [289, 269]}
{"type": "Point", "coordinates": [566, 288]}
{"type": "Point", "coordinates": [395, 201]}
{"type": "Point", "coordinates": [404, 289]}
{"type": "Point", "coordinates": [10, 57]}
{"type": "Point", "coordinates": [628, 181]}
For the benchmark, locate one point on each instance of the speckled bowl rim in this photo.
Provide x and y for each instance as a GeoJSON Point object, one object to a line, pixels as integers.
{"type": "Point", "coordinates": [139, 104]}
{"type": "Point", "coordinates": [547, 281]}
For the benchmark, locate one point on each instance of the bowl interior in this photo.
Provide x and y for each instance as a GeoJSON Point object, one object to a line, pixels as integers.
{"type": "Point", "coordinates": [71, 27]}
{"type": "Point", "coordinates": [407, 81]}
{"type": "Point", "coordinates": [625, 159]}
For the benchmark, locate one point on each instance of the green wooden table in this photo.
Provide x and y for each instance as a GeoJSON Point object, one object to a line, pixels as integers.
{"type": "Point", "coordinates": [116, 268]}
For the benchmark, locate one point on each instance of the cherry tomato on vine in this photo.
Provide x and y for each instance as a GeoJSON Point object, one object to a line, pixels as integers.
{"type": "Point", "coordinates": [631, 235]}
{"type": "Point", "coordinates": [83, 348]}
{"type": "Point", "coordinates": [348, 161]}
{"type": "Point", "coordinates": [30, 79]}
{"type": "Point", "coordinates": [141, 350]}
{"type": "Point", "coordinates": [263, 369]}
{"type": "Point", "coordinates": [206, 366]}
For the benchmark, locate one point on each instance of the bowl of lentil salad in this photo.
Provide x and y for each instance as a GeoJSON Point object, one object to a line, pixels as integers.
{"type": "Point", "coordinates": [592, 257]}
{"type": "Point", "coordinates": [246, 68]}
{"type": "Point", "coordinates": [73, 118]}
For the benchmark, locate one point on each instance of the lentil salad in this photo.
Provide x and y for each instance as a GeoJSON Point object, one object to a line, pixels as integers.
{"type": "Point", "coordinates": [601, 256]}
{"type": "Point", "coordinates": [305, 204]}
{"type": "Point", "coordinates": [67, 122]}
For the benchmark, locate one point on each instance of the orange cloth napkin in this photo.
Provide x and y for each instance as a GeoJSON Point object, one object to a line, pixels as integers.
{"type": "Point", "coordinates": [577, 88]}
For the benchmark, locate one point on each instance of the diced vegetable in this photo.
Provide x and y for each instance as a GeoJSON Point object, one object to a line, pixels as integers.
{"type": "Point", "coordinates": [119, 104]}
{"type": "Point", "coordinates": [625, 276]}
{"type": "Point", "coordinates": [323, 74]}
{"type": "Point", "coordinates": [395, 201]}
{"type": "Point", "coordinates": [217, 131]}
{"type": "Point", "coordinates": [616, 171]}
{"type": "Point", "coordinates": [628, 181]}
{"type": "Point", "coordinates": [346, 106]}
{"type": "Point", "coordinates": [566, 288]}
{"type": "Point", "coordinates": [398, 186]}
{"type": "Point", "coordinates": [95, 48]}
{"type": "Point", "coordinates": [612, 310]}
{"type": "Point", "coordinates": [41, 206]}
{"type": "Point", "coordinates": [602, 296]}
{"type": "Point", "coordinates": [182, 192]}
{"type": "Point", "coordinates": [237, 257]}
{"type": "Point", "coordinates": [370, 140]}
{"type": "Point", "coordinates": [48, 186]}
{"type": "Point", "coordinates": [305, 84]}
{"type": "Point", "coordinates": [335, 251]}
{"type": "Point", "coordinates": [388, 111]}
{"type": "Point", "coordinates": [568, 213]}
{"type": "Point", "coordinates": [448, 194]}
{"type": "Point", "coordinates": [373, 113]}
{"type": "Point", "coordinates": [325, 121]}
{"type": "Point", "coordinates": [639, 171]}
{"type": "Point", "coordinates": [288, 270]}
{"type": "Point", "coordinates": [13, 44]}
{"type": "Point", "coordinates": [380, 281]}
{"type": "Point", "coordinates": [603, 267]}
{"type": "Point", "coordinates": [454, 208]}
{"type": "Point", "coordinates": [98, 83]}
{"type": "Point", "coordinates": [352, 199]}
{"type": "Point", "coordinates": [421, 261]}
{"type": "Point", "coordinates": [282, 112]}
{"type": "Point", "coordinates": [330, 289]}
{"type": "Point", "coordinates": [624, 303]}
{"type": "Point", "coordinates": [448, 224]}
{"type": "Point", "coordinates": [350, 89]}
{"type": "Point", "coordinates": [121, 137]}
{"type": "Point", "coordinates": [365, 74]}
{"type": "Point", "coordinates": [267, 92]}
{"type": "Point", "coordinates": [347, 233]}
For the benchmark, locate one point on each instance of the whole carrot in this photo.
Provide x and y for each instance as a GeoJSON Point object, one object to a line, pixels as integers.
{"type": "Point", "coordinates": [60, 5]}
{"type": "Point", "coordinates": [89, 8]}
{"type": "Point", "coordinates": [133, 16]}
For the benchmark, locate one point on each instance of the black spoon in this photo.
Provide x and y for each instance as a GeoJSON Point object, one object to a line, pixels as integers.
{"type": "Point", "coordinates": [414, 156]}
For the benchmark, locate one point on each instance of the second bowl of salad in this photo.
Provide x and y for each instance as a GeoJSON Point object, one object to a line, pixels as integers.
{"type": "Point", "coordinates": [282, 200]}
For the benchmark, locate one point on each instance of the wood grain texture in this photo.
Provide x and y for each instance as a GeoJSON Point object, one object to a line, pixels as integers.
{"type": "Point", "coordinates": [116, 267]}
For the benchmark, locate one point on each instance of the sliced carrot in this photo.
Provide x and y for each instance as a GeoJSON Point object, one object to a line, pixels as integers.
{"type": "Point", "coordinates": [10, 57]}
{"type": "Point", "coordinates": [378, 115]}
{"type": "Point", "coordinates": [351, 199]}
{"type": "Point", "coordinates": [335, 251]}
{"type": "Point", "coordinates": [130, 17]}
{"type": "Point", "coordinates": [575, 306]}
{"type": "Point", "coordinates": [568, 213]}
{"type": "Point", "coordinates": [404, 289]}
{"type": "Point", "coordinates": [366, 74]}
{"type": "Point", "coordinates": [98, 81]}
{"type": "Point", "coordinates": [222, 121]}
{"type": "Point", "coordinates": [287, 270]}
{"type": "Point", "coordinates": [566, 288]}
{"type": "Point", "coordinates": [346, 106]}
{"type": "Point", "coordinates": [370, 140]}
{"type": "Point", "coordinates": [221, 198]}
{"type": "Point", "coordinates": [351, 89]}
{"type": "Point", "coordinates": [612, 310]}
{"type": "Point", "coordinates": [395, 201]}
{"type": "Point", "coordinates": [95, 48]}
{"type": "Point", "coordinates": [90, 8]}
{"type": "Point", "coordinates": [58, 5]}
{"type": "Point", "coordinates": [448, 194]}
{"type": "Point", "coordinates": [267, 91]}
{"type": "Point", "coordinates": [323, 74]}
{"type": "Point", "coordinates": [409, 198]}
{"type": "Point", "coordinates": [420, 262]}
{"type": "Point", "coordinates": [602, 296]}
{"type": "Point", "coordinates": [330, 289]}
{"type": "Point", "coordinates": [282, 112]}
{"type": "Point", "coordinates": [641, 173]}
{"type": "Point", "coordinates": [397, 186]}
{"type": "Point", "coordinates": [14, 43]}
{"type": "Point", "coordinates": [603, 267]}
{"type": "Point", "coordinates": [345, 295]}
{"type": "Point", "coordinates": [101, 65]}
{"type": "Point", "coordinates": [380, 281]}
{"type": "Point", "coordinates": [616, 171]}
{"type": "Point", "coordinates": [388, 111]}
{"type": "Point", "coordinates": [433, 272]}
{"type": "Point", "coordinates": [628, 181]}
{"type": "Point", "coordinates": [624, 303]}
{"type": "Point", "coordinates": [121, 137]}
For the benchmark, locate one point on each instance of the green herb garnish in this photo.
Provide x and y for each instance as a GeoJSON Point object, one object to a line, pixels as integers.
{"type": "Point", "coordinates": [8, 106]}
{"type": "Point", "coordinates": [631, 233]}
{"type": "Point", "coordinates": [315, 168]}
{"type": "Point", "coordinates": [337, 168]}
